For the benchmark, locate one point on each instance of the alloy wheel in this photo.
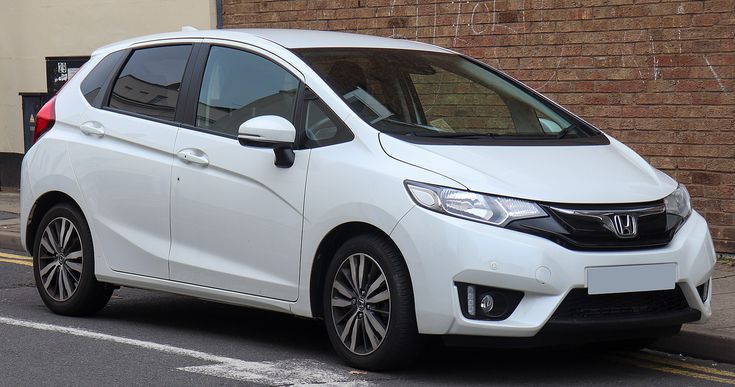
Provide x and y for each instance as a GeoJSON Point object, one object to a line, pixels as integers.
{"type": "Point", "coordinates": [360, 303]}
{"type": "Point", "coordinates": [60, 259]}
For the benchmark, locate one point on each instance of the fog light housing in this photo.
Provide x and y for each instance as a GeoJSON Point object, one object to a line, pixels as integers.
{"type": "Point", "coordinates": [493, 304]}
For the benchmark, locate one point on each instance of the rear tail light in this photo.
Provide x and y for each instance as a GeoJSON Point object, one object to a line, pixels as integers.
{"type": "Point", "coordinates": [45, 119]}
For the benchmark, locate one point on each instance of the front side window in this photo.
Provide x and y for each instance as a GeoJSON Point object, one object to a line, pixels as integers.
{"type": "Point", "coordinates": [238, 86]}
{"type": "Point", "coordinates": [430, 96]}
{"type": "Point", "coordinates": [150, 82]}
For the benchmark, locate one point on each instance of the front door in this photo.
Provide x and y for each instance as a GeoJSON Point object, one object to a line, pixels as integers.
{"type": "Point", "coordinates": [237, 218]}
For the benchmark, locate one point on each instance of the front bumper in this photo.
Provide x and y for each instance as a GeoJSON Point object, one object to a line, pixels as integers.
{"type": "Point", "coordinates": [441, 250]}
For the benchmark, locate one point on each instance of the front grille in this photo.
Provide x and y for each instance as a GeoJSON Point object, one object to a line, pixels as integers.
{"type": "Point", "coordinates": [565, 227]}
{"type": "Point", "coordinates": [578, 305]}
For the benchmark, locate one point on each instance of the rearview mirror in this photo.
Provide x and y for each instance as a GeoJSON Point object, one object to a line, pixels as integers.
{"type": "Point", "coordinates": [272, 132]}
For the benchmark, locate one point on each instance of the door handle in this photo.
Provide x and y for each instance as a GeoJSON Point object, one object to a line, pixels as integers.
{"type": "Point", "coordinates": [195, 156]}
{"type": "Point", "coordinates": [92, 128]}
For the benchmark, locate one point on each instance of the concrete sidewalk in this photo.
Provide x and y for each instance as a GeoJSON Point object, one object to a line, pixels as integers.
{"type": "Point", "coordinates": [714, 340]}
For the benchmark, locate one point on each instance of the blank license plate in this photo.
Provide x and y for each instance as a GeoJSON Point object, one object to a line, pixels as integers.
{"type": "Point", "coordinates": [634, 278]}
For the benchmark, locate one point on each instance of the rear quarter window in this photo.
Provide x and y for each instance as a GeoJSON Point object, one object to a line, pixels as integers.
{"type": "Point", "coordinates": [95, 80]}
{"type": "Point", "coordinates": [150, 82]}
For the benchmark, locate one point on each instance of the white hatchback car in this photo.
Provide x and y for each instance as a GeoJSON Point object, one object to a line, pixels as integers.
{"type": "Point", "coordinates": [394, 189]}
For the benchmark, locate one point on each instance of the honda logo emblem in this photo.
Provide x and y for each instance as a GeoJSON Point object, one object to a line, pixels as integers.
{"type": "Point", "coordinates": [625, 226]}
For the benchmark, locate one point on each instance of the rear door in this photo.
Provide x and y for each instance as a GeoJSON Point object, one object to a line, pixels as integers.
{"type": "Point", "coordinates": [124, 157]}
{"type": "Point", "coordinates": [236, 217]}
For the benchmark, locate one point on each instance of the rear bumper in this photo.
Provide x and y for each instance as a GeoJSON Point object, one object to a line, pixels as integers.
{"type": "Point", "coordinates": [26, 198]}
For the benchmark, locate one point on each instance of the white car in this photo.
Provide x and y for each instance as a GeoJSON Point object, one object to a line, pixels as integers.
{"type": "Point", "coordinates": [392, 188]}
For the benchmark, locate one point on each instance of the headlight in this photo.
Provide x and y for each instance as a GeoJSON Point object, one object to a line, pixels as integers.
{"type": "Point", "coordinates": [494, 210]}
{"type": "Point", "coordinates": [679, 203]}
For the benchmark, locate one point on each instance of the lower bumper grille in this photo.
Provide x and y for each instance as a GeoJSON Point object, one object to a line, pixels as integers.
{"type": "Point", "coordinates": [578, 305]}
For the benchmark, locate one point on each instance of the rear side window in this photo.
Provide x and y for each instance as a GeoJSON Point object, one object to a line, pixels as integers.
{"type": "Point", "coordinates": [238, 86]}
{"type": "Point", "coordinates": [150, 82]}
{"type": "Point", "coordinates": [95, 80]}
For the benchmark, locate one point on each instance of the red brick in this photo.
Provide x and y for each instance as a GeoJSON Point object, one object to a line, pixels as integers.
{"type": "Point", "coordinates": [659, 76]}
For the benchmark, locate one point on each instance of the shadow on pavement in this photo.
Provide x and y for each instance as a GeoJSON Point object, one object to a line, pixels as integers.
{"type": "Point", "coordinates": [305, 338]}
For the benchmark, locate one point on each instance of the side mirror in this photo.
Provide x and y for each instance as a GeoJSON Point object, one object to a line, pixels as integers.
{"type": "Point", "coordinates": [272, 132]}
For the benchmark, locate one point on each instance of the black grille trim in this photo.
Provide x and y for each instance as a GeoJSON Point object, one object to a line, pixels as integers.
{"type": "Point", "coordinates": [580, 306]}
{"type": "Point", "coordinates": [588, 234]}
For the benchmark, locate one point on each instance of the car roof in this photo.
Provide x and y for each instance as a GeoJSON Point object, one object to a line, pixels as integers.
{"type": "Point", "coordinates": [288, 38]}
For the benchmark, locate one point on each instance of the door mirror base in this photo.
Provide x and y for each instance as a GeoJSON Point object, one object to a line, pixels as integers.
{"type": "Point", "coordinates": [285, 157]}
{"type": "Point", "coordinates": [284, 153]}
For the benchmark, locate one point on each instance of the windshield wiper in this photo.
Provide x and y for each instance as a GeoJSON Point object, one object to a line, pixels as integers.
{"type": "Point", "coordinates": [451, 134]}
{"type": "Point", "coordinates": [429, 132]}
{"type": "Point", "coordinates": [564, 132]}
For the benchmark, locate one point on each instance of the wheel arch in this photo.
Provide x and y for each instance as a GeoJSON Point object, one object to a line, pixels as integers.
{"type": "Point", "coordinates": [325, 252]}
{"type": "Point", "coordinates": [39, 208]}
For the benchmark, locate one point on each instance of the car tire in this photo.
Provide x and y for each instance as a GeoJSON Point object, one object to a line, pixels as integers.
{"type": "Point", "coordinates": [63, 264]}
{"type": "Point", "coordinates": [372, 327]}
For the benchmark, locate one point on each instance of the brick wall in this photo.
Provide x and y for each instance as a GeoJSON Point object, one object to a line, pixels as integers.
{"type": "Point", "coordinates": [658, 75]}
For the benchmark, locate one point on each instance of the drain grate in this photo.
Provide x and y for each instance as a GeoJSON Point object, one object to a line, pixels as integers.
{"type": "Point", "coordinates": [5, 215]}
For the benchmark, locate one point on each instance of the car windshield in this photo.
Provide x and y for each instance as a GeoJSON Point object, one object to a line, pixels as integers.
{"type": "Point", "coordinates": [435, 95]}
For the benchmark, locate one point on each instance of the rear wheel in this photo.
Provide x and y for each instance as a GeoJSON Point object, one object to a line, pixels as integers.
{"type": "Point", "coordinates": [63, 264]}
{"type": "Point", "coordinates": [368, 305]}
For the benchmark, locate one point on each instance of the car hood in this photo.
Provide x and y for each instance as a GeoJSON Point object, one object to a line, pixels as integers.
{"type": "Point", "coordinates": [558, 174]}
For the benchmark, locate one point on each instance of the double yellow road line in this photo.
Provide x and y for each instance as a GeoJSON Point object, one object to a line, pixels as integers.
{"type": "Point", "coordinates": [676, 367]}
{"type": "Point", "coordinates": [16, 259]}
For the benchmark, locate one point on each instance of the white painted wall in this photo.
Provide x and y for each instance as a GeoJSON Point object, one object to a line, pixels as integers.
{"type": "Point", "coordinates": [31, 30]}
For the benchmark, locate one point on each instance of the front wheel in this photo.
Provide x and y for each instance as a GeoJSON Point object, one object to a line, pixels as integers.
{"type": "Point", "coordinates": [368, 305]}
{"type": "Point", "coordinates": [63, 264]}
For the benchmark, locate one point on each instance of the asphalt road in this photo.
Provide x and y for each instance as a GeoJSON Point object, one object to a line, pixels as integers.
{"type": "Point", "coordinates": [151, 338]}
